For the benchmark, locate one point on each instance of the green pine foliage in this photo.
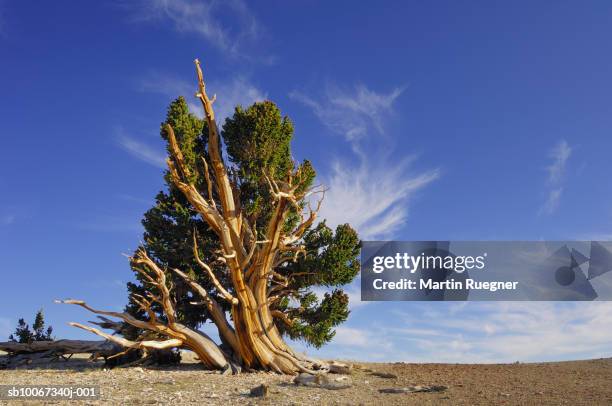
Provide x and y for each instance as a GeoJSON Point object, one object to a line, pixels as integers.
{"type": "Point", "coordinates": [257, 143]}
{"type": "Point", "coordinates": [24, 335]}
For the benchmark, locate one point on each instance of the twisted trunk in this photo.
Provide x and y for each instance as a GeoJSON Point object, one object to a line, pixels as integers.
{"type": "Point", "coordinates": [254, 339]}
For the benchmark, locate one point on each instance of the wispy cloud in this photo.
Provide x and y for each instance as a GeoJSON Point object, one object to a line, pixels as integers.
{"type": "Point", "coordinates": [373, 199]}
{"type": "Point", "coordinates": [552, 202]}
{"type": "Point", "coordinates": [360, 338]}
{"type": "Point", "coordinates": [205, 19]}
{"type": "Point", "coordinates": [373, 195]}
{"type": "Point", "coordinates": [351, 112]}
{"type": "Point", "coordinates": [236, 91]}
{"type": "Point", "coordinates": [506, 332]}
{"type": "Point", "coordinates": [140, 150]}
{"type": "Point", "coordinates": [559, 154]}
{"type": "Point", "coordinates": [556, 170]}
{"type": "Point", "coordinates": [477, 332]}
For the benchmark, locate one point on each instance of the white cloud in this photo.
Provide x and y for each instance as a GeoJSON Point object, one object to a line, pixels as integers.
{"type": "Point", "coordinates": [351, 337]}
{"type": "Point", "coordinates": [560, 155]}
{"type": "Point", "coordinates": [351, 112]}
{"type": "Point", "coordinates": [507, 332]}
{"type": "Point", "coordinates": [204, 19]}
{"type": "Point", "coordinates": [352, 343]}
{"type": "Point", "coordinates": [373, 199]}
{"type": "Point", "coordinates": [476, 332]}
{"type": "Point", "coordinates": [552, 202]}
{"type": "Point", "coordinates": [141, 150]}
{"type": "Point", "coordinates": [236, 91]}
{"type": "Point", "coordinates": [372, 194]}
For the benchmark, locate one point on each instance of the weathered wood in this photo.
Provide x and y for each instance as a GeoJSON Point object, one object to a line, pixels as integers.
{"type": "Point", "coordinates": [254, 339]}
{"type": "Point", "coordinates": [61, 347]}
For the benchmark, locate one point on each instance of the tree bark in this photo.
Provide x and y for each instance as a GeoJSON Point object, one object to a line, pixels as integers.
{"type": "Point", "coordinates": [45, 352]}
{"type": "Point", "coordinates": [103, 348]}
{"type": "Point", "coordinates": [255, 341]}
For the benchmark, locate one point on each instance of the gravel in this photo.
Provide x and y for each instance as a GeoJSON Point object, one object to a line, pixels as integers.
{"type": "Point", "coordinates": [571, 383]}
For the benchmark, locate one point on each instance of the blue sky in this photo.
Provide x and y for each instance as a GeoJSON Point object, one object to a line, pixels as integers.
{"type": "Point", "coordinates": [445, 120]}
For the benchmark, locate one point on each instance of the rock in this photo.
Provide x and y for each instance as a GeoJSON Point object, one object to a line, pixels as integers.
{"type": "Point", "coordinates": [339, 368]}
{"type": "Point", "coordinates": [414, 389]}
{"type": "Point", "coordinates": [323, 381]}
{"type": "Point", "coordinates": [384, 375]}
{"type": "Point", "coordinates": [138, 369]}
{"type": "Point", "coordinates": [260, 391]}
{"type": "Point", "coordinates": [304, 379]}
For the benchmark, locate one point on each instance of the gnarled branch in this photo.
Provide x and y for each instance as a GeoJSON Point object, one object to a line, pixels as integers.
{"type": "Point", "coordinates": [226, 295]}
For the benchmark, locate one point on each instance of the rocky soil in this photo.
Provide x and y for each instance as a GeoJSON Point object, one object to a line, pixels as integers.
{"type": "Point", "coordinates": [571, 383]}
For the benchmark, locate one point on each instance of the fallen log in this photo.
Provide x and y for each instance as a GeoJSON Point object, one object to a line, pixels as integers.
{"type": "Point", "coordinates": [62, 347]}
{"type": "Point", "coordinates": [44, 352]}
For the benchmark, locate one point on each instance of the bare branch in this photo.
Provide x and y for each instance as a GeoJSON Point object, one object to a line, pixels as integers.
{"type": "Point", "coordinates": [159, 345]}
{"type": "Point", "coordinates": [208, 212]}
{"type": "Point", "coordinates": [176, 152]}
{"type": "Point", "coordinates": [216, 312]}
{"type": "Point", "coordinates": [108, 324]}
{"type": "Point", "coordinates": [305, 225]}
{"type": "Point", "coordinates": [141, 257]}
{"type": "Point", "coordinates": [223, 182]}
{"type": "Point", "coordinates": [145, 305]}
{"type": "Point", "coordinates": [128, 318]}
{"type": "Point", "coordinates": [228, 296]}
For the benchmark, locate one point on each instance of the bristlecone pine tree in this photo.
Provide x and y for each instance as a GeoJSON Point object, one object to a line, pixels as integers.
{"type": "Point", "coordinates": [235, 243]}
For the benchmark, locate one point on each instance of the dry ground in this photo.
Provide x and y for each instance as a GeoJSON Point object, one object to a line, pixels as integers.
{"type": "Point", "coordinates": [559, 383]}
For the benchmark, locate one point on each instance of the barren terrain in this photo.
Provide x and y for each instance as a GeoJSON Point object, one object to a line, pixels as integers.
{"type": "Point", "coordinates": [571, 383]}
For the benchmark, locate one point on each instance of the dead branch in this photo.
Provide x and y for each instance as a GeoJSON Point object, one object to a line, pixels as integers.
{"type": "Point", "coordinates": [226, 295]}
{"type": "Point", "coordinates": [145, 344]}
